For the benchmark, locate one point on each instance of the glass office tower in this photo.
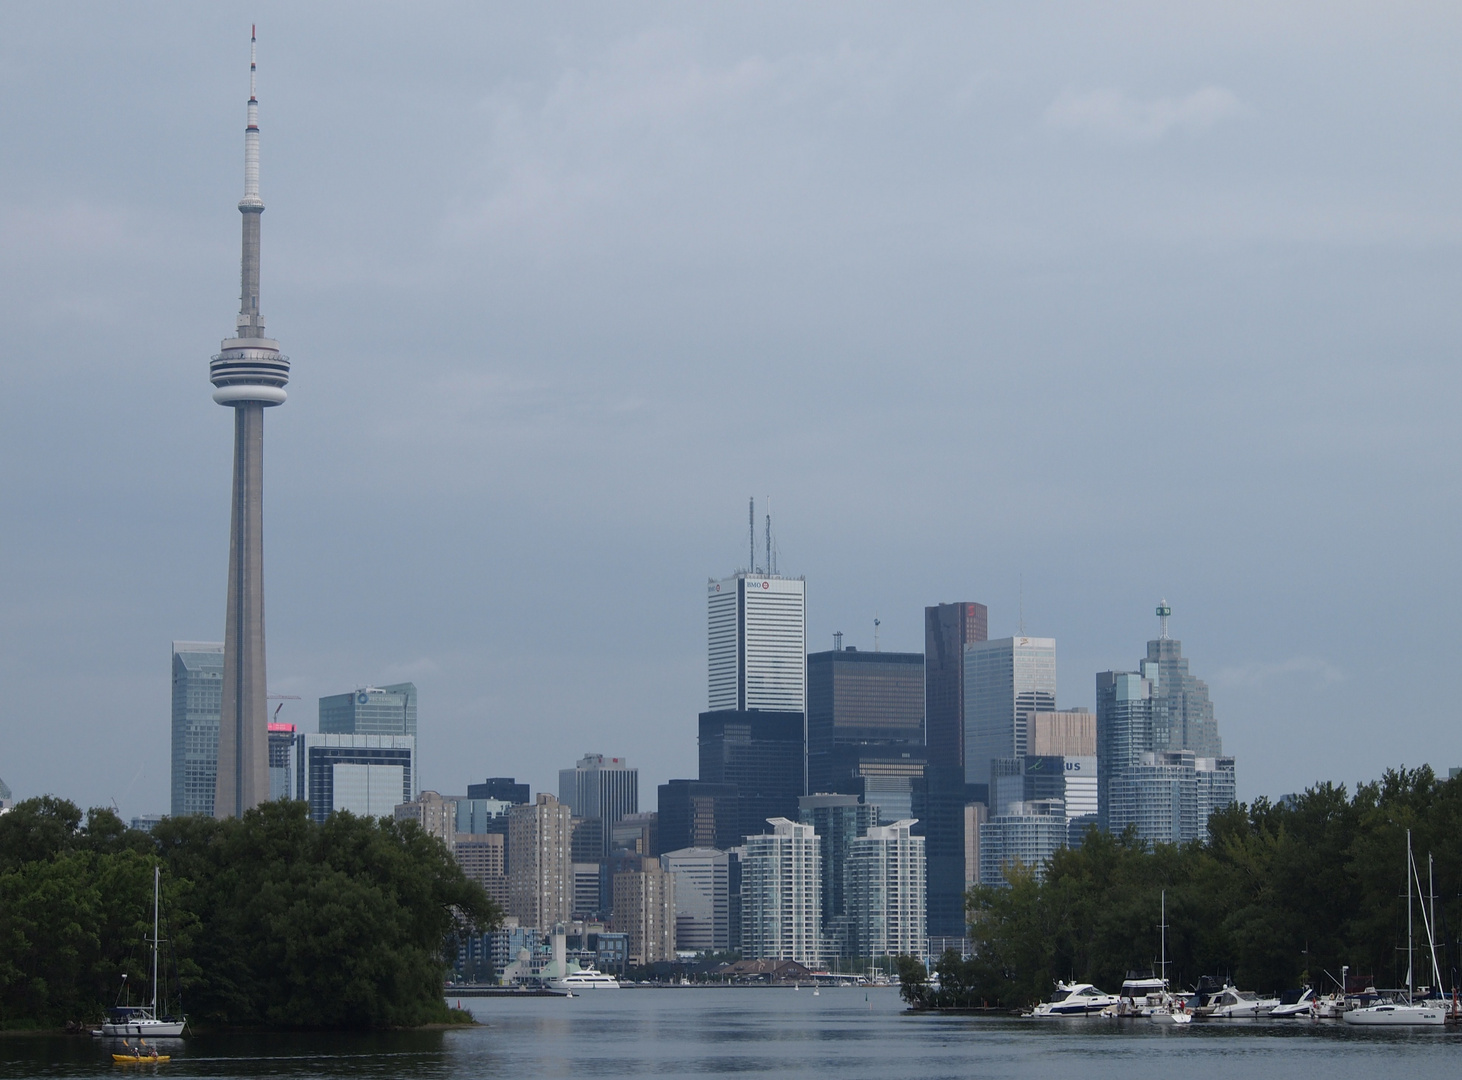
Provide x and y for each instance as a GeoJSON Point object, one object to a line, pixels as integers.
{"type": "Point", "coordinates": [370, 710]}
{"type": "Point", "coordinates": [197, 702]}
{"type": "Point", "coordinates": [1005, 682]}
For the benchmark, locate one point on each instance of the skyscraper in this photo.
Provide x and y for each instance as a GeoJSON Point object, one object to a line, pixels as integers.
{"type": "Point", "coordinates": [1159, 760]}
{"type": "Point", "coordinates": [282, 764]}
{"type": "Point", "coordinates": [1005, 681]}
{"type": "Point", "coordinates": [702, 898]}
{"type": "Point", "coordinates": [698, 814]}
{"type": "Point", "coordinates": [600, 789]}
{"type": "Point", "coordinates": [540, 865]}
{"type": "Point", "coordinates": [368, 775]}
{"type": "Point", "coordinates": [948, 628]}
{"type": "Point", "coordinates": [505, 788]}
{"type": "Point", "coordinates": [757, 651]}
{"type": "Point", "coordinates": [837, 820]}
{"type": "Point", "coordinates": [370, 710]}
{"type": "Point", "coordinates": [197, 698]}
{"type": "Point", "coordinates": [861, 699]}
{"type": "Point", "coordinates": [781, 895]}
{"type": "Point", "coordinates": [885, 892]}
{"type": "Point", "coordinates": [644, 908]}
{"type": "Point", "coordinates": [761, 755]}
{"type": "Point", "coordinates": [249, 375]}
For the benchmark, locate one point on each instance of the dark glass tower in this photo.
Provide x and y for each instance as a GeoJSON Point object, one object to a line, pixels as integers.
{"type": "Point", "coordinates": [760, 754]}
{"type": "Point", "coordinates": [948, 628]}
{"type": "Point", "coordinates": [862, 699]}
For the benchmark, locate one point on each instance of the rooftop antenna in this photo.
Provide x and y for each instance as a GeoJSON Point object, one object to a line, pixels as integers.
{"type": "Point", "coordinates": [770, 568]}
{"type": "Point", "coordinates": [751, 535]}
{"type": "Point", "coordinates": [1020, 626]}
{"type": "Point", "coordinates": [1163, 611]}
{"type": "Point", "coordinates": [837, 641]}
{"type": "Point", "coordinates": [877, 622]}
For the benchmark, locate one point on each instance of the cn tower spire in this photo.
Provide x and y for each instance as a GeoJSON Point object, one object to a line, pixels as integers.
{"type": "Point", "coordinates": [249, 374]}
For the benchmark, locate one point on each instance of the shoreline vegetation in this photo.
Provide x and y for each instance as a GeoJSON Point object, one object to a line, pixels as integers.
{"type": "Point", "coordinates": [1279, 895]}
{"type": "Point", "coordinates": [270, 921]}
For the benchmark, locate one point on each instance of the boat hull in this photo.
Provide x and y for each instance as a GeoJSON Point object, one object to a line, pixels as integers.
{"type": "Point", "coordinates": [158, 1029]}
{"type": "Point", "coordinates": [1397, 1016]}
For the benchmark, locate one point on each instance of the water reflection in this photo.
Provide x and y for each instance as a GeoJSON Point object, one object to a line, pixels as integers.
{"type": "Point", "coordinates": [847, 1034]}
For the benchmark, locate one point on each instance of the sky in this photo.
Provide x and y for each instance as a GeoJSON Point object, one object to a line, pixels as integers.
{"type": "Point", "coordinates": [1064, 309]}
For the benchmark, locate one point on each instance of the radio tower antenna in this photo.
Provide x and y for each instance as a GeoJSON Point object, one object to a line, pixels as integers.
{"type": "Point", "coordinates": [770, 568]}
{"type": "Point", "coordinates": [1163, 611]}
{"type": "Point", "coordinates": [751, 535]}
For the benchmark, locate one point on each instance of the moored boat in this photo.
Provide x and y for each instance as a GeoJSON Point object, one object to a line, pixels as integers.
{"type": "Point", "coordinates": [585, 979]}
{"type": "Point", "coordinates": [142, 1020]}
{"type": "Point", "coordinates": [1230, 1003]}
{"type": "Point", "coordinates": [1296, 1003]}
{"type": "Point", "coordinates": [1074, 999]}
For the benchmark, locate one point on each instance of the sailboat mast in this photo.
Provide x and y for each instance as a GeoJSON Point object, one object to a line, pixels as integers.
{"type": "Point", "coordinates": [1163, 927]}
{"type": "Point", "coordinates": [1409, 994]}
{"type": "Point", "coordinates": [156, 882]}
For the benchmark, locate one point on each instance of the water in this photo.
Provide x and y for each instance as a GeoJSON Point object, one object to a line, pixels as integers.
{"type": "Point", "coordinates": [845, 1034]}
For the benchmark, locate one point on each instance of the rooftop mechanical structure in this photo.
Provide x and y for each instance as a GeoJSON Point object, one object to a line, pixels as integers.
{"type": "Point", "coordinates": [249, 375]}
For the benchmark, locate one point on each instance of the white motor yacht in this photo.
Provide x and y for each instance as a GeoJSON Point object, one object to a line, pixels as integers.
{"type": "Point", "coordinates": [585, 979]}
{"type": "Point", "coordinates": [1074, 999]}
{"type": "Point", "coordinates": [1232, 1004]}
{"type": "Point", "coordinates": [1139, 997]}
{"type": "Point", "coordinates": [1293, 1003]}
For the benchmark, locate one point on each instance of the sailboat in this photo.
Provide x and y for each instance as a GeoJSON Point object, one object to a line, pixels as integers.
{"type": "Point", "coordinates": [142, 1020]}
{"type": "Point", "coordinates": [1174, 1009]}
{"type": "Point", "coordinates": [1406, 1013]}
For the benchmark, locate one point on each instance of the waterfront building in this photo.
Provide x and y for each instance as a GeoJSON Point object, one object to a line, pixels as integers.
{"type": "Point", "coordinates": [837, 820]}
{"type": "Point", "coordinates": [602, 790]}
{"type": "Point", "coordinates": [757, 644]}
{"type": "Point", "coordinates": [197, 701]}
{"type": "Point", "coordinates": [885, 892]}
{"type": "Point", "coordinates": [644, 910]}
{"type": "Point", "coordinates": [702, 898]}
{"type": "Point", "coordinates": [368, 775]}
{"type": "Point", "coordinates": [483, 858]}
{"type": "Point", "coordinates": [370, 710]}
{"type": "Point", "coordinates": [948, 629]}
{"type": "Point", "coordinates": [7, 797]}
{"type": "Point", "coordinates": [698, 814]}
{"type": "Point", "coordinates": [1027, 834]}
{"type": "Point", "coordinates": [860, 698]}
{"type": "Point", "coordinates": [145, 823]}
{"type": "Point", "coordinates": [540, 875]}
{"type": "Point", "coordinates": [1005, 681]}
{"type": "Point", "coordinates": [781, 895]}
{"type": "Point", "coordinates": [504, 788]}
{"type": "Point", "coordinates": [1072, 781]}
{"type": "Point", "coordinates": [760, 754]}
{"type": "Point", "coordinates": [249, 374]}
{"type": "Point", "coordinates": [283, 767]}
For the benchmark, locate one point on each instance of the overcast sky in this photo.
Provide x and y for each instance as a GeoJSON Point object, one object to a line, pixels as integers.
{"type": "Point", "coordinates": [1057, 308]}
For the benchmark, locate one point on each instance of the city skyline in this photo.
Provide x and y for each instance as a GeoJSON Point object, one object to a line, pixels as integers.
{"type": "Point", "coordinates": [586, 252]}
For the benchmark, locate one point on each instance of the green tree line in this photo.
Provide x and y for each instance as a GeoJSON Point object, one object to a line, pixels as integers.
{"type": "Point", "coordinates": [272, 919]}
{"type": "Point", "coordinates": [1278, 895]}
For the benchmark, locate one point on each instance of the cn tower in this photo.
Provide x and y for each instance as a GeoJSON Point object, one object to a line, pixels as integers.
{"type": "Point", "coordinates": [249, 374]}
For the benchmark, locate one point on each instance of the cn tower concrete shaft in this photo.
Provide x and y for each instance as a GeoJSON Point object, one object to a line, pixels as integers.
{"type": "Point", "coordinates": [243, 739]}
{"type": "Point", "coordinates": [249, 375]}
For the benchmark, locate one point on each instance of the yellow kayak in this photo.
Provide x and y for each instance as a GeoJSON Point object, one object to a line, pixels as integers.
{"type": "Point", "coordinates": [142, 1059]}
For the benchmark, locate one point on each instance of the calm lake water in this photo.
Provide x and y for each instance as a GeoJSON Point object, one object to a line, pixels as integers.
{"type": "Point", "coordinates": [841, 1033]}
